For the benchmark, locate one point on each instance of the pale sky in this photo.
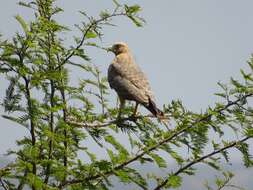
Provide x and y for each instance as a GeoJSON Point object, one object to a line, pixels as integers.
{"type": "Point", "coordinates": [185, 48]}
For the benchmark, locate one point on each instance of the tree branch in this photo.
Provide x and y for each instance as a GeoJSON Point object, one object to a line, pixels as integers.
{"type": "Point", "coordinates": [90, 26]}
{"type": "Point", "coordinates": [52, 104]}
{"type": "Point", "coordinates": [70, 121]}
{"type": "Point", "coordinates": [2, 183]}
{"type": "Point", "coordinates": [160, 143]}
{"type": "Point", "coordinates": [32, 125]}
{"type": "Point", "coordinates": [182, 169]}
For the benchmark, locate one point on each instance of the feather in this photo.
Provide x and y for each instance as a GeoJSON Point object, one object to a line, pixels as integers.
{"type": "Point", "coordinates": [153, 109]}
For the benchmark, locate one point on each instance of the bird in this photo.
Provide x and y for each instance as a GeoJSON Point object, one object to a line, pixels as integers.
{"type": "Point", "coordinates": [129, 82]}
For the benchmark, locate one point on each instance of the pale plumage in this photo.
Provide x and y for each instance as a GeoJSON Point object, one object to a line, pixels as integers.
{"type": "Point", "coordinates": [127, 79]}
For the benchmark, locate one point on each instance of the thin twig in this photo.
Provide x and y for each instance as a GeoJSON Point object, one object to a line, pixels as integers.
{"type": "Point", "coordinates": [101, 92]}
{"type": "Point", "coordinates": [234, 186]}
{"type": "Point", "coordinates": [154, 147]}
{"type": "Point", "coordinates": [182, 169]}
{"type": "Point", "coordinates": [81, 43]}
{"type": "Point", "coordinates": [3, 184]}
{"type": "Point", "coordinates": [108, 123]}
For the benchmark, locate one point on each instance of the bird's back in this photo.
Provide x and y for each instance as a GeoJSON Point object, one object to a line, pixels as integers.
{"type": "Point", "coordinates": [128, 80]}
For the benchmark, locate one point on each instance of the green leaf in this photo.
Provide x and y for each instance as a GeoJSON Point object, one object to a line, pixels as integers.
{"type": "Point", "coordinates": [251, 65]}
{"type": "Point", "coordinates": [122, 151]}
{"type": "Point", "coordinates": [112, 156]}
{"type": "Point", "coordinates": [247, 158]}
{"type": "Point", "coordinates": [131, 12]}
{"type": "Point", "coordinates": [116, 3]}
{"type": "Point", "coordinates": [104, 14]}
{"type": "Point", "coordinates": [20, 120]}
{"type": "Point", "coordinates": [214, 165]}
{"type": "Point", "coordinates": [174, 181]}
{"type": "Point", "coordinates": [90, 34]}
{"type": "Point", "coordinates": [159, 160]}
{"type": "Point", "coordinates": [132, 9]}
{"type": "Point", "coordinates": [225, 155]}
{"type": "Point", "coordinates": [27, 5]}
{"type": "Point", "coordinates": [236, 83]}
{"type": "Point", "coordinates": [246, 76]}
{"type": "Point", "coordinates": [35, 181]}
{"type": "Point", "coordinates": [91, 156]}
{"type": "Point", "coordinates": [223, 95]}
{"type": "Point", "coordinates": [137, 178]}
{"type": "Point", "coordinates": [135, 21]}
{"type": "Point", "coordinates": [249, 131]}
{"type": "Point", "coordinates": [80, 53]}
{"type": "Point", "coordinates": [104, 165]}
{"type": "Point", "coordinates": [22, 23]}
{"type": "Point", "coordinates": [177, 157]}
{"type": "Point", "coordinates": [124, 176]}
{"type": "Point", "coordinates": [4, 70]}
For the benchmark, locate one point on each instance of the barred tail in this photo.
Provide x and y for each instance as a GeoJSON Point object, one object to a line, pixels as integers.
{"type": "Point", "coordinates": [153, 109]}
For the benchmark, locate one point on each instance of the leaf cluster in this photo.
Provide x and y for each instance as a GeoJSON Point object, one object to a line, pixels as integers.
{"type": "Point", "coordinates": [65, 121]}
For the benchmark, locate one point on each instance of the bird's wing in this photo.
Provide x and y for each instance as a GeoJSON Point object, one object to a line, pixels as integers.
{"type": "Point", "coordinates": [128, 78]}
{"type": "Point", "coordinates": [127, 90]}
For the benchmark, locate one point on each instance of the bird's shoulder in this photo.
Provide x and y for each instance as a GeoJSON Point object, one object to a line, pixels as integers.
{"type": "Point", "coordinates": [124, 66]}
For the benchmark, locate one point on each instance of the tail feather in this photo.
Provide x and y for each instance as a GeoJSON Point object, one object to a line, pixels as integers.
{"type": "Point", "coordinates": [153, 109]}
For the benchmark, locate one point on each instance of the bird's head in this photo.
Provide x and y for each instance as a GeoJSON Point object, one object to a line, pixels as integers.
{"type": "Point", "coordinates": [118, 48]}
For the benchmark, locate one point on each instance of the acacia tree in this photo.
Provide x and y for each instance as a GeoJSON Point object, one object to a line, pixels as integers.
{"type": "Point", "coordinates": [37, 62]}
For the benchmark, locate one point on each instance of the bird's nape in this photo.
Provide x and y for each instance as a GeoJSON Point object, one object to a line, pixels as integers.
{"type": "Point", "coordinates": [118, 48]}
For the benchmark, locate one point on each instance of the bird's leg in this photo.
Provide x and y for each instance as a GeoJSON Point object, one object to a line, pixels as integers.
{"type": "Point", "coordinates": [121, 106]}
{"type": "Point", "coordinates": [135, 110]}
{"type": "Point", "coordinates": [133, 116]}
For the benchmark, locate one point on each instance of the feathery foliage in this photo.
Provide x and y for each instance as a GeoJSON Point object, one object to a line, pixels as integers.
{"type": "Point", "coordinates": [40, 97]}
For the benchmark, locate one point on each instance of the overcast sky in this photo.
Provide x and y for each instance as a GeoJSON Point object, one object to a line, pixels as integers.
{"type": "Point", "coordinates": [185, 48]}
